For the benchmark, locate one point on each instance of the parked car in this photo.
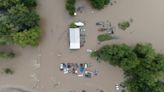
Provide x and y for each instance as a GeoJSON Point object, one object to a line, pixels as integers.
{"type": "Point", "coordinates": [62, 66]}
{"type": "Point", "coordinates": [99, 23]}
{"type": "Point", "coordinates": [88, 74]}
{"type": "Point", "coordinates": [117, 86]}
{"type": "Point", "coordinates": [85, 65]}
{"type": "Point", "coordinates": [66, 70]}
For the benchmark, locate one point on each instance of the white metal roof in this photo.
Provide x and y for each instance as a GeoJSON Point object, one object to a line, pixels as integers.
{"type": "Point", "coordinates": [74, 35]}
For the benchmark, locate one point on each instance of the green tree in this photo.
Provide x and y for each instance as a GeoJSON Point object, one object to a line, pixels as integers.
{"type": "Point", "coordinates": [70, 6]}
{"type": "Point", "coordinates": [142, 66]}
{"type": "Point", "coordinates": [22, 18]}
{"type": "Point", "coordinates": [19, 16]}
{"type": "Point", "coordinates": [99, 4]}
{"type": "Point", "coordinates": [159, 87]}
{"type": "Point", "coordinates": [29, 3]}
{"type": "Point", "coordinates": [8, 3]}
{"type": "Point", "coordinates": [124, 25]}
{"type": "Point", "coordinates": [5, 30]}
{"type": "Point", "coordinates": [106, 2]}
{"type": "Point", "coordinates": [27, 37]}
{"type": "Point", "coordinates": [145, 51]}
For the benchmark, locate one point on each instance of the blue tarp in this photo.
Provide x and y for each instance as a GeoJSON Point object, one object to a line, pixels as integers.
{"type": "Point", "coordinates": [81, 69]}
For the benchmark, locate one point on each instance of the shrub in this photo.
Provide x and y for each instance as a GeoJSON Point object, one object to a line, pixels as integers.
{"type": "Point", "coordinates": [106, 2]}
{"type": "Point", "coordinates": [99, 4]}
{"type": "Point", "coordinates": [7, 55]}
{"type": "Point", "coordinates": [104, 37]}
{"type": "Point", "coordinates": [4, 40]}
{"type": "Point", "coordinates": [70, 6]}
{"type": "Point", "coordinates": [8, 71]}
{"type": "Point", "coordinates": [72, 25]}
{"type": "Point", "coordinates": [124, 25]}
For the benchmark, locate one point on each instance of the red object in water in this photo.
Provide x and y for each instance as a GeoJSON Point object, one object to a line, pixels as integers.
{"type": "Point", "coordinates": [101, 29]}
{"type": "Point", "coordinates": [73, 91]}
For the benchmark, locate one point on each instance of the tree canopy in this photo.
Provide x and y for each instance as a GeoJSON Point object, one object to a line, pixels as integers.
{"type": "Point", "coordinates": [143, 67]}
{"type": "Point", "coordinates": [23, 18]}
{"type": "Point", "coordinates": [18, 19]}
{"type": "Point", "coordinates": [99, 4]}
{"type": "Point", "coordinates": [27, 37]}
{"type": "Point", "coordinates": [70, 6]}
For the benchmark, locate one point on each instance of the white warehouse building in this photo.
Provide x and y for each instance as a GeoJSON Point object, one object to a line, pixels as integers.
{"type": "Point", "coordinates": [74, 38]}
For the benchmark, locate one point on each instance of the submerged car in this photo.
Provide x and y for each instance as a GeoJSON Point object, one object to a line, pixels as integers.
{"type": "Point", "coordinates": [88, 74]}
{"type": "Point", "coordinates": [62, 66]}
{"type": "Point", "coordinates": [117, 86]}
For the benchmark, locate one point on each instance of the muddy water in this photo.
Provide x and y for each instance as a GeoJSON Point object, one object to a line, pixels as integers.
{"type": "Point", "coordinates": [147, 26]}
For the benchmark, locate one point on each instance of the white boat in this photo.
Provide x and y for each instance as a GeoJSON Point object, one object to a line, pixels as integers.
{"type": "Point", "coordinates": [80, 24]}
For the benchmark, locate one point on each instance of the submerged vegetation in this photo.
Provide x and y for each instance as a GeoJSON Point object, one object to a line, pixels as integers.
{"type": "Point", "coordinates": [142, 66]}
{"type": "Point", "coordinates": [7, 55]}
{"type": "Point", "coordinates": [8, 71]}
{"type": "Point", "coordinates": [124, 25]}
{"type": "Point", "coordinates": [104, 37]}
{"type": "Point", "coordinates": [72, 25]}
{"type": "Point", "coordinates": [99, 4]}
{"type": "Point", "coordinates": [18, 19]}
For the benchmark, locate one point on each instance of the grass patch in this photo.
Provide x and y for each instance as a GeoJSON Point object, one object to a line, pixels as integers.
{"type": "Point", "coordinates": [104, 37]}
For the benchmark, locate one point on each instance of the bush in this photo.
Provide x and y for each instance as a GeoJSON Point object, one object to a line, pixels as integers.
{"type": "Point", "coordinates": [106, 2]}
{"type": "Point", "coordinates": [124, 25]}
{"type": "Point", "coordinates": [8, 71]}
{"type": "Point", "coordinates": [104, 37]}
{"type": "Point", "coordinates": [7, 55]}
{"type": "Point", "coordinates": [72, 25]}
{"type": "Point", "coordinates": [5, 40]}
{"type": "Point", "coordinates": [70, 6]}
{"type": "Point", "coordinates": [99, 4]}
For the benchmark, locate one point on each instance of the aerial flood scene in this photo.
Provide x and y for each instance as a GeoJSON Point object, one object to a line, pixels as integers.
{"type": "Point", "coordinates": [81, 46]}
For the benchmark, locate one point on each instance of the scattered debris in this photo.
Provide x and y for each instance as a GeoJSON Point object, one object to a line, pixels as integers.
{"type": "Point", "coordinates": [89, 50]}
{"type": "Point", "coordinates": [82, 69]}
